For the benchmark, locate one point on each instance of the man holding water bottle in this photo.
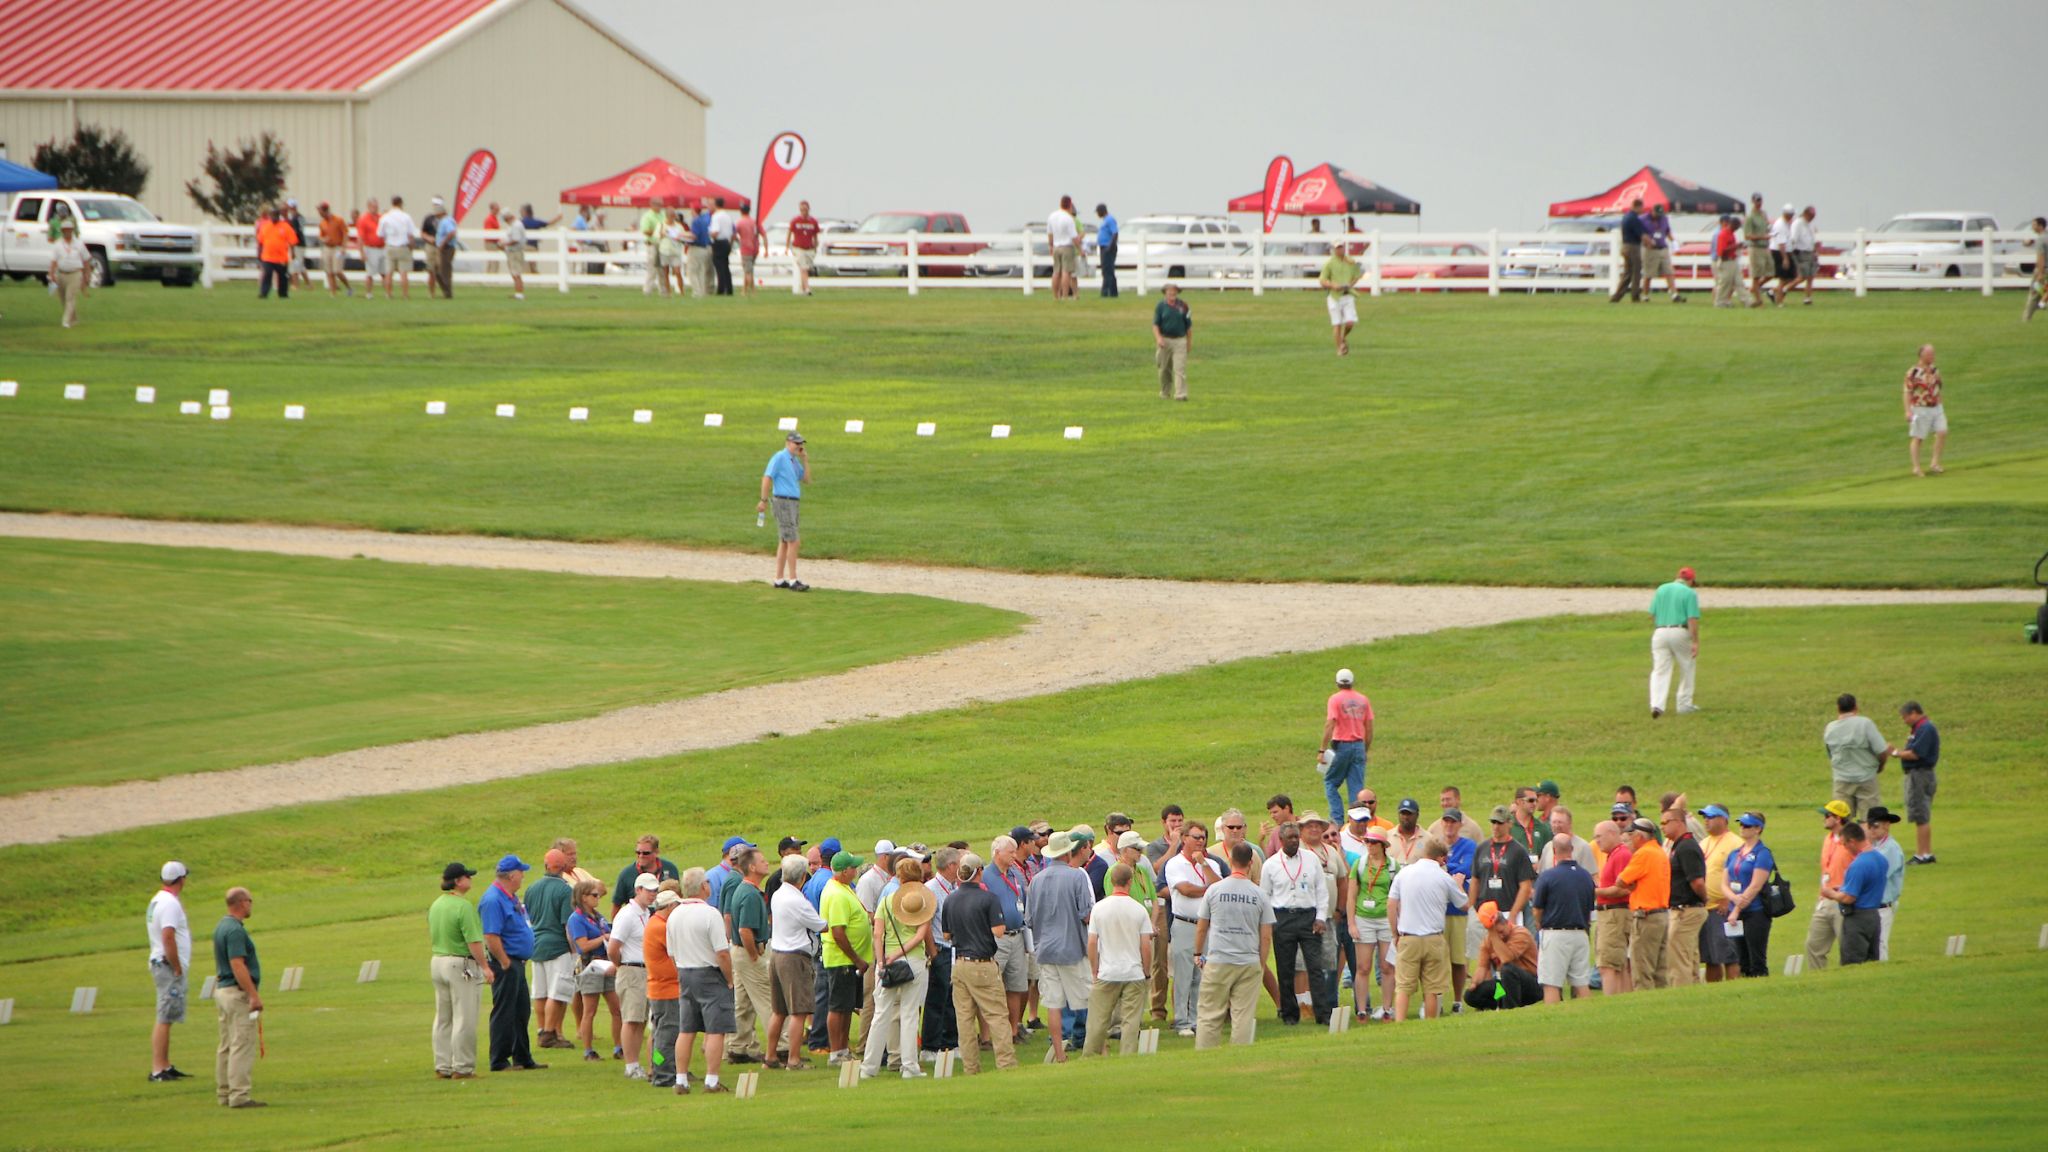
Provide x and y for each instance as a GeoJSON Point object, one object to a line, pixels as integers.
{"type": "Point", "coordinates": [782, 482]}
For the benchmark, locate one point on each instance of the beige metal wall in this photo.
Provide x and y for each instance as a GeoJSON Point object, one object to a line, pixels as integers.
{"type": "Point", "coordinates": [557, 101]}
{"type": "Point", "coordinates": [172, 135]}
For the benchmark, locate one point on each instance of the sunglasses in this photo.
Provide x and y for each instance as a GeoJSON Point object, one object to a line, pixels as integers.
{"type": "Point", "coordinates": [642, 852]}
{"type": "Point", "coordinates": [1233, 827]}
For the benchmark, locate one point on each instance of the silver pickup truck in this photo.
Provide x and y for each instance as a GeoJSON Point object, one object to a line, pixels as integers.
{"type": "Point", "coordinates": [126, 240]}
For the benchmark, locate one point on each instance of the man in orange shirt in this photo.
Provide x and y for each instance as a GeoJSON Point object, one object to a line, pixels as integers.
{"type": "Point", "coordinates": [1826, 925]}
{"type": "Point", "coordinates": [376, 261]}
{"type": "Point", "coordinates": [1646, 881]}
{"type": "Point", "coordinates": [664, 987]}
{"type": "Point", "coordinates": [274, 238]}
{"type": "Point", "coordinates": [334, 250]}
{"type": "Point", "coordinates": [1505, 976]}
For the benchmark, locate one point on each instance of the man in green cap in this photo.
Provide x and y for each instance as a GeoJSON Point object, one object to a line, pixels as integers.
{"type": "Point", "coordinates": [849, 951]}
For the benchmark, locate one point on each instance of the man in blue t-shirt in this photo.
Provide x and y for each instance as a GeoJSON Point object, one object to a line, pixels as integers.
{"type": "Point", "coordinates": [783, 482]}
{"type": "Point", "coordinates": [1458, 866]}
{"type": "Point", "coordinates": [1106, 233]}
{"type": "Point", "coordinates": [508, 945]}
{"type": "Point", "coordinates": [1861, 894]}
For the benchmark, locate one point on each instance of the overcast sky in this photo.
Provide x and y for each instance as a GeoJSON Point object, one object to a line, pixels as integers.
{"type": "Point", "coordinates": [1483, 110]}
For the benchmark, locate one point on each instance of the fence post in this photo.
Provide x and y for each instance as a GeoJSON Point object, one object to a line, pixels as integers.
{"type": "Point", "coordinates": [1614, 262]}
{"type": "Point", "coordinates": [206, 256]}
{"type": "Point", "coordinates": [1144, 259]}
{"type": "Point", "coordinates": [1861, 267]}
{"type": "Point", "coordinates": [1373, 252]}
{"type": "Point", "coordinates": [1493, 263]}
{"type": "Point", "coordinates": [910, 262]}
{"type": "Point", "coordinates": [1259, 264]}
{"type": "Point", "coordinates": [1027, 262]}
{"type": "Point", "coordinates": [562, 261]}
{"type": "Point", "coordinates": [1988, 262]}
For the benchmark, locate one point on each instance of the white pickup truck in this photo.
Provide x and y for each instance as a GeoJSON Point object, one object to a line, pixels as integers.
{"type": "Point", "coordinates": [1946, 244]}
{"type": "Point", "coordinates": [127, 241]}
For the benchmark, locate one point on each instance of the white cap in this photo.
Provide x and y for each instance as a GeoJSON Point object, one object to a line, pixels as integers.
{"type": "Point", "coordinates": [1788, 208]}
{"type": "Point", "coordinates": [173, 872]}
{"type": "Point", "coordinates": [1360, 813]}
{"type": "Point", "coordinates": [1130, 839]}
{"type": "Point", "coordinates": [1343, 675]}
{"type": "Point", "coordinates": [438, 202]}
{"type": "Point", "coordinates": [646, 880]}
{"type": "Point", "coordinates": [291, 203]}
{"type": "Point", "coordinates": [885, 847]}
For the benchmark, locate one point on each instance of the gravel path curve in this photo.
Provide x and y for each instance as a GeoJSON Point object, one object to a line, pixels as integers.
{"type": "Point", "coordinates": [1083, 631]}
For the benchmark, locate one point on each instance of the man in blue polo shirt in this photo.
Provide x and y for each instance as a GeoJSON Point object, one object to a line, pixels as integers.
{"type": "Point", "coordinates": [818, 1039]}
{"type": "Point", "coordinates": [1860, 895]}
{"type": "Point", "coordinates": [783, 482]}
{"type": "Point", "coordinates": [1106, 233]}
{"type": "Point", "coordinates": [508, 944]}
{"type": "Point", "coordinates": [1918, 756]}
{"type": "Point", "coordinates": [1458, 862]}
{"type": "Point", "coordinates": [716, 879]}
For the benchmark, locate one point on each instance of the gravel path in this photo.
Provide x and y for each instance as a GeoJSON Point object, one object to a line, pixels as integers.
{"type": "Point", "coordinates": [1083, 631]}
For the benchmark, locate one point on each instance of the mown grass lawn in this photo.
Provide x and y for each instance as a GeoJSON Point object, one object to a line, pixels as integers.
{"type": "Point", "coordinates": [134, 662]}
{"type": "Point", "coordinates": [1522, 440]}
{"type": "Point", "coordinates": [1941, 1052]}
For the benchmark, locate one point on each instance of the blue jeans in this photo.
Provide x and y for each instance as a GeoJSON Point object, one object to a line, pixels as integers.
{"type": "Point", "coordinates": [1346, 771]}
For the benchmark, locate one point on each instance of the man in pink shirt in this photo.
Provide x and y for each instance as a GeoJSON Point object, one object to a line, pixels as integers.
{"type": "Point", "coordinates": [1347, 734]}
{"type": "Point", "coordinates": [750, 247]}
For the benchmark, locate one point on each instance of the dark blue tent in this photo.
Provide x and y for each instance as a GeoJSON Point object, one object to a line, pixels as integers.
{"type": "Point", "coordinates": [15, 178]}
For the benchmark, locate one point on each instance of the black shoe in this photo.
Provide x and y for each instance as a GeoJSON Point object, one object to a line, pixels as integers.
{"type": "Point", "coordinates": [742, 1058]}
{"type": "Point", "coordinates": [528, 1067]}
{"type": "Point", "coordinates": [501, 1067]}
{"type": "Point", "coordinates": [163, 1077]}
{"type": "Point", "coordinates": [176, 1073]}
{"type": "Point", "coordinates": [1656, 713]}
{"type": "Point", "coordinates": [799, 586]}
{"type": "Point", "coordinates": [1921, 860]}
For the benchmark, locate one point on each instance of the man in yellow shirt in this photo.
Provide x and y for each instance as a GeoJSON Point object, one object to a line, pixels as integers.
{"type": "Point", "coordinates": [1717, 951]}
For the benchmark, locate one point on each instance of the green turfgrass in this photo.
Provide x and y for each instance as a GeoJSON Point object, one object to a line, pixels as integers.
{"type": "Point", "coordinates": [1552, 439]}
{"type": "Point", "coordinates": [342, 883]}
{"type": "Point", "coordinates": [134, 662]}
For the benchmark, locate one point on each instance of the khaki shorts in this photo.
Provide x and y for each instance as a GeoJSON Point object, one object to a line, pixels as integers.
{"type": "Point", "coordinates": [1761, 269]}
{"type": "Point", "coordinates": [515, 260]}
{"type": "Point", "coordinates": [1064, 985]}
{"type": "Point", "coordinates": [1563, 958]}
{"type": "Point", "coordinates": [555, 979]}
{"type": "Point", "coordinates": [1656, 261]}
{"type": "Point", "coordinates": [1422, 963]}
{"type": "Point", "coordinates": [793, 988]}
{"type": "Point", "coordinates": [806, 258]}
{"type": "Point", "coordinates": [1455, 933]}
{"type": "Point", "coordinates": [1611, 925]}
{"type": "Point", "coordinates": [377, 261]}
{"type": "Point", "coordinates": [1926, 422]}
{"type": "Point", "coordinates": [1066, 260]}
{"type": "Point", "coordinates": [632, 985]}
{"type": "Point", "coordinates": [786, 510]}
{"type": "Point", "coordinates": [1013, 964]}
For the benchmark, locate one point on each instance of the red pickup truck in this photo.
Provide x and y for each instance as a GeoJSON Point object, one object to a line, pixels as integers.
{"type": "Point", "coordinates": [880, 235]}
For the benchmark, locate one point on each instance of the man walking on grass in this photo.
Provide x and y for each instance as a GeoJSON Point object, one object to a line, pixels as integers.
{"type": "Point", "coordinates": [1339, 276]}
{"type": "Point", "coordinates": [1674, 639]}
{"type": "Point", "coordinates": [1347, 737]}
{"type": "Point", "coordinates": [1756, 238]}
{"type": "Point", "coordinates": [1918, 756]}
{"type": "Point", "coordinates": [1924, 413]}
{"type": "Point", "coordinates": [170, 965]}
{"type": "Point", "coordinates": [1630, 283]}
{"type": "Point", "coordinates": [783, 480]}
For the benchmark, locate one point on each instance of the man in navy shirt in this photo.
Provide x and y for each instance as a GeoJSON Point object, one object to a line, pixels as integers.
{"type": "Point", "coordinates": [1563, 904]}
{"type": "Point", "coordinates": [1631, 282]}
{"type": "Point", "coordinates": [508, 944]}
{"type": "Point", "coordinates": [1106, 233]}
{"type": "Point", "coordinates": [1918, 757]}
{"type": "Point", "coordinates": [1860, 895]}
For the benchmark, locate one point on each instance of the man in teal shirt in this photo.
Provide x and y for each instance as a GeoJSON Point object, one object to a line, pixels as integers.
{"type": "Point", "coordinates": [1170, 326]}
{"type": "Point", "coordinates": [548, 905]}
{"type": "Point", "coordinates": [1674, 639]}
{"type": "Point", "coordinates": [237, 994]}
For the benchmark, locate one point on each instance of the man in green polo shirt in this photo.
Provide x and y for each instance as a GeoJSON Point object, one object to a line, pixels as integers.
{"type": "Point", "coordinates": [1340, 273]}
{"type": "Point", "coordinates": [1674, 639]}
{"type": "Point", "coordinates": [549, 902]}
{"type": "Point", "coordinates": [1756, 237]}
{"type": "Point", "coordinates": [459, 971]}
{"type": "Point", "coordinates": [1170, 325]}
{"type": "Point", "coordinates": [238, 978]}
{"type": "Point", "coordinates": [848, 952]}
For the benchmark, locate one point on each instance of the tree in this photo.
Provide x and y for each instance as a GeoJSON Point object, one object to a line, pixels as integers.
{"type": "Point", "coordinates": [246, 179]}
{"type": "Point", "coordinates": [97, 158]}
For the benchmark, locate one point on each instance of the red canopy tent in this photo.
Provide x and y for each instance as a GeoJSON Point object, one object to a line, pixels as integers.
{"type": "Point", "coordinates": [1654, 186]}
{"type": "Point", "coordinates": [658, 183]}
{"type": "Point", "coordinates": [1327, 190]}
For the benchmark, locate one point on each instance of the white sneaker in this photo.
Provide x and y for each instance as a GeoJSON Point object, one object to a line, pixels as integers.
{"type": "Point", "coordinates": [1687, 709]}
{"type": "Point", "coordinates": [1189, 1033]}
{"type": "Point", "coordinates": [635, 1072]}
{"type": "Point", "coordinates": [519, 295]}
{"type": "Point", "coordinates": [927, 1055]}
{"type": "Point", "coordinates": [868, 1073]}
{"type": "Point", "coordinates": [913, 1072]}
{"type": "Point", "coordinates": [837, 1058]}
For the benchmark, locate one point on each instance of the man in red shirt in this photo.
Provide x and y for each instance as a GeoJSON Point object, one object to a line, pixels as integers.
{"type": "Point", "coordinates": [1347, 734]}
{"type": "Point", "coordinates": [1727, 265]}
{"type": "Point", "coordinates": [748, 235]}
{"type": "Point", "coordinates": [376, 262]}
{"type": "Point", "coordinates": [803, 245]}
{"type": "Point", "coordinates": [1610, 916]}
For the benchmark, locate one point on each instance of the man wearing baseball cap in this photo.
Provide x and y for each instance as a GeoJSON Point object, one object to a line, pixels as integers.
{"type": "Point", "coordinates": [720, 876]}
{"type": "Point", "coordinates": [460, 968]}
{"type": "Point", "coordinates": [170, 961]}
{"type": "Point", "coordinates": [1674, 639]}
{"type": "Point", "coordinates": [1826, 926]}
{"type": "Point", "coordinates": [783, 482]}
{"type": "Point", "coordinates": [1646, 882]}
{"type": "Point", "coordinates": [626, 947]}
{"type": "Point", "coordinates": [550, 901]}
{"type": "Point", "coordinates": [1347, 736]}
{"type": "Point", "coordinates": [508, 938]}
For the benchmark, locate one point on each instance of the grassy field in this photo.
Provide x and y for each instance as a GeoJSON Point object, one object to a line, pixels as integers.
{"type": "Point", "coordinates": [1537, 440]}
{"type": "Point", "coordinates": [342, 883]}
{"type": "Point", "coordinates": [132, 662]}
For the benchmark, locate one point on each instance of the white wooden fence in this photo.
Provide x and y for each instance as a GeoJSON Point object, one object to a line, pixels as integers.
{"type": "Point", "coordinates": [1494, 262]}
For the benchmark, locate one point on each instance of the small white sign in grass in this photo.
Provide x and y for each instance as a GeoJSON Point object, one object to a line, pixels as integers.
{"type": "Point", "coordinates": [189, 407]}
{"type": "Point", "coordinates": [437, 407]}
{"type": "Point", "coordinates": [74, 391]}
{"type": "Point", "coordinates": [856, 427]}
{"type": "Point", "coordinates": [82, 1000]}
{"type": "Point", "coordinates": [295, 411]}
{"type": "Point", "coordinates": [928, 429]}
{"type": "Point", "coordinates": [1073, 431]}
{"type": "Point", "coordinates": [508, 411]}
{"type": "Point", "coordinates": [145, 395]}
{"type": "Point", "coordinates": [786, 424]}
{"type": "Point", "coordinates": [368, 973]}
{"type": "Point", "coordinates": [999, 432]}
{"type": "Point", "coordinates": [217, 398]}
{"type": "Point", "coordinates": [643, 415]}
{"type": "Point", "coordinates": [10, 387]}
{"type": "Point", "coordinates": [714, 420]}
{"type": "Point", "coordinates": [580, 415]}
{"type": "Point", "coordinates": [220, 413]}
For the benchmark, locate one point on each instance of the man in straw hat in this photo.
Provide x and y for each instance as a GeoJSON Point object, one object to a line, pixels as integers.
{"type": "Point", "coordinates": [67, 269]}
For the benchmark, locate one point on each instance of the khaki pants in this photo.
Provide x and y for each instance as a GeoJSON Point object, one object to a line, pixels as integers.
{"type": "Point", "coordinates": [1173, 368]}
{"type": "Point", "coordinates": [699, 265]}
{"type": "Point", "coordinates": [1228, 990]}
{"type": "Point", "coordinates": [1727, 282]}
{"type": "Point", "coordinates": [70, 286]}
{"type": "Point", "coordinates": [235, 1061]}
{"type": "Point", "coordinates": [458, 999]}
{"type": "Point", "coordinates": [1160, 964]}
{"type": "Point", "coordinates": [1118, 1005]}
{"type": "Point", "coordinates": [1682, 949]}
{"type": "Point", "coordinates": [650, 280]}
{"type": "Point", "coordinates": [1646, 949]}
{"type": "Point", "coordinates": [1821, 932]}
{"type": "Point", "coordinates": [893, 1028]}
{"type": "Point", "coordinates": [1631, 282]}
{"type": "Point", "coordinates": [752, 1003]}
{"type": "Point", "coordinates": [1860, 797]}
{"type": "Point", "coordinates": [977, 1001]}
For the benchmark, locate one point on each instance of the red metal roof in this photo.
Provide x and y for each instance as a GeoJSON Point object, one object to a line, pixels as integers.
{"type": "Point", "coordinates": [216, 45]}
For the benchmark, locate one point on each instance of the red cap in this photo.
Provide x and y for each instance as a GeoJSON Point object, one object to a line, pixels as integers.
{"type": "Point", "coordinates": [1685, 574]}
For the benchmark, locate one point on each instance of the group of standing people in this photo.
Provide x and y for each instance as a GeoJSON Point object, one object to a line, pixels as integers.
{"type": "Point", "coordinates": [680, 242]}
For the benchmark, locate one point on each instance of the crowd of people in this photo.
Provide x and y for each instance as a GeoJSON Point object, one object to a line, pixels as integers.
{"type": "Point", "coordinates": [813, 953]}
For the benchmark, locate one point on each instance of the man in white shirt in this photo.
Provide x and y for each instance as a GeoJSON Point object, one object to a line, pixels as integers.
{"type": "Point", "coordinates": [1416, 904]}
{"type": "Point", "coordinates": [791, 965]}
{"type": "Point", "coordinates": [1064, 237]}
{"type": "Point", "coordinates": [1805, 248]}
{"type": "Point", "coordinates": [1781, 253]}
{"type": "Point", "coordinates": [1120, 960]}
{"type": "Point", "coordinates": [698, 944]}
{"type": "Point", "coordinates": [170, 959]}
{"type": "Point", "coordinates": [1188, 875]}
{"type": "Point", "coordinates": [722, 228]}
{"type": "Point", "coordinates": [628, 932]}
{"type": "Point", "coordinates": [1298, 892]}
{"type": "Point", "coordinates": [398, 231]}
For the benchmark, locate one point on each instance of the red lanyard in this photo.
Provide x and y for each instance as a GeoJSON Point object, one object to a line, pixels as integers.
{"type": "Point", "coordinates": [1495, 853]}
{"type": "Point", "coordinates": [1005, 878]}
{"type": "Point", "coordinates": [1293, 874]}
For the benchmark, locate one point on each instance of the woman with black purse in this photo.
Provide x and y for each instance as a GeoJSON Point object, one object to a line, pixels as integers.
{"type": "Point", "coordinates": [1751, 871]}
{"type": "Point", "coordinates": [903, 935]}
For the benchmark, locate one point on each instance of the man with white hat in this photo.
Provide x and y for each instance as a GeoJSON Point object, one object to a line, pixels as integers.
{"type": "Point", "coordinates": [1347, 735]}
{"type": "Point", "coordinates": [67, 269]}
{"type": "Point", "coordinates": [1056, 912]}
{"type": "Point", "coordinates": [1781, 254]}
{"type": "Point", "coordinates": [626, 948]}
{"type": "Point", "coordinates": [170, 962]}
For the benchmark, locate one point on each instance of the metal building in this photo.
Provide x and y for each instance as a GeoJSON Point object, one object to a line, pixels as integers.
{"type": "Point", "coordinates": [370, 97]}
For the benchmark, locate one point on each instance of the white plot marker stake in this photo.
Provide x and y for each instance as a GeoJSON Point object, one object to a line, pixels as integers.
{"type": "Point", "coordinates": [368, 972]}
{"type": "Point", "coordinates": [293, 977]}
{"type": "Point", "coordinates": [295, 411]}
{"type": "Point", "coordinates": [189, 407]}
{"type": "Point", "coordinates": [786, 424]}
{"type": "Point", "coordinates": [1073, 431]}
{"type": "Point", "coordinates": [999, 432]}
{"type": "Point", "coordinates": [217, 398]}
{"type": "Point", "coordinates": [145, 395]}
{"type": "Point", "coordinates": [927, 429]}
{"type": "Point", "coordinates": [942, 1068]}
{"type": "Point", "coordinates": [10, 387]}
{"type": "Point", "coordinates": [2044, 937]}
{"type": "Point", "coordinates": [856, 427]}
{"type": "Point", "coordinates": [206, 989]}
{"type": "Point", "coordinates": [508, 411]}
{"type": "Point", "coordinates": [579, 414]}
{"type": "Point", "coordinates": [220, 413]}
{"type": "Point", "coordinates": [7, 1010]}
{"type": "Point", "coordinates": [643, 415]}
{"type": "Point", "coordinates": [82, 1000]}
{"type": "Point", "coordinates": [437, 407]}
{"type": "Point", "coordinates": [849, 1074]}
{"type": "Point", "coordinates": [749, 1084]}
{"type": "Point", "coordinates": [74, 391]}
{"type": "Point", "coordinates": [714, 420]}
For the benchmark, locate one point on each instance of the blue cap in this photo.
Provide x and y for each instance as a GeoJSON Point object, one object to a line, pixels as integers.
{"type": "Point", "coordinates": [1713, 810]}
{"type": "Point", "coordinates": [1022, 835]}
{"type": "Point", "coordinates": [1750, 820]}
{"type": "Point", "coordinates": [514, 864]}
{"type": "Point", "coordinates": [732, 842]}
{"type": "Point", "coordinates": [828, 847]}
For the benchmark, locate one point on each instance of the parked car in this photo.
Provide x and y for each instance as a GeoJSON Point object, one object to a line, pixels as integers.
{"type": "Point", "coordinates": [1576, 236]}
{"type": "Point", "coordinates": [124, 238]}
{"type": "Point", "coordinates": [1471, 256]}
{"type": "Point", "coordinates": [873, 239]}
{"type": "Point", "coordinates": [1941, 256]}
{"type": "Point", "coordinates": [1173, 240]}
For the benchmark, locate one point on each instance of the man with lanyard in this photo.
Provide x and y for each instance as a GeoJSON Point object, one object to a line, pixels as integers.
{"type": "Point", "coordinates": [1880, 841]}
{"type": "Point", "coordinates": [1337, 956]}
{"type": "Point", "coordinates": [1157, 853]}
{"type": "Point", "coordinates": [1859, 893]}
{"type": "Point", "coordinates": [1297, 892]}
{"type": "Point", "coordinates": [1529, 828]}
{"type": "Point", "coordinates": [1187, 879]}
{"type": "Point", "coordinates": [1005, 880]}
{"type": "Point", "coordinates": [1459, 860]}
{"type": "Point", "coordinates": [508, 944]}
{"type": "Point", "coordinates": [1347, 737]}
{"type": "Point", "coordinates": [1106, 233]}
{"type": "Point", "coordinates": [1502, 872]}
{"type": "Point", "coordinates": [1404, 840]}
{"type": "Point", "coordinates": [1716, 949]}
{"type": "Point", "coordinates": [1688, 900]}
{"type": "Point", "coordinates": [803, 245]}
